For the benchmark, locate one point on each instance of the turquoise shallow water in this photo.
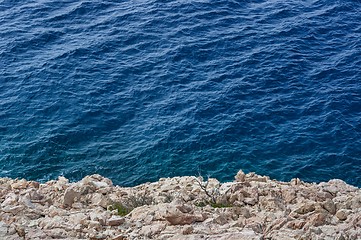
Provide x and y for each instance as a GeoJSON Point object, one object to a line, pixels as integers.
{"type": "Point", "coordinates": [137, 90]}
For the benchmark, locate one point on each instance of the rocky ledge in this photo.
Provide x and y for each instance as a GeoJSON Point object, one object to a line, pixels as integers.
{"type": "Point", "coordinates": [251, 207]}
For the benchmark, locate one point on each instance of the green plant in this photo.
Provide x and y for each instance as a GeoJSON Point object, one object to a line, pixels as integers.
{"type": "Point", "coordinates": [131, 202]}
{"type": "Point", "coordinates": [139, 199]}
{"type": "Point", "coordinates": [121, 209]}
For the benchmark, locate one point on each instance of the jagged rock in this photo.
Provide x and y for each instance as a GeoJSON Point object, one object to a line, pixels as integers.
{"type": "Point", "coordinates": [13, 209]}
{"type": "Point", "coordinates": [166, 187]}
{"type": "Point", "coordinates": [59, 185]}
{"type": "Point", "coordinates": [252, 207]}
{"type": "Point", "coordinates": [95, 225]}
{"type": "Point", "coordinates": [101, 217]}
{"type": "Point", "coordinates": [184, 208]}
{"type": "Point", "coordinates": [242, 211]}
{"type": "Point", "coordinates": [57, 233]}
{"type": "Point", "coordinates": [257, 227]}
{"type": "Point", "coordinates": [24, 200]}
{"type": "Point", "coordinates": [180, 219]}
{"type": "Point", "coordinates": [20, 231]}
{"type": "Point", "coordinates": [318, 219]}
{"type": "Point", "coordinates": [101, 200]}
{"type": "Point", "coordinates": [187, 230]}
{"type": "Point", "coordinates": [330, 206]}
{"type": "Point", "coordinates": [340, 237]}
{"type": "Point", "coordinates": [21, 184]}
{"type": "Point", "coordinates": [115, 221]}
{"type": "Point", "coordinates": [120, 237]}
{"type": "Point", "coordinates": [10, 199]}
{"type": "Point", "coordinates": [220, 219]}
{"type": "Point", "coordinates": [101, 184]}
{"type": "Point", "coordinates": [175, 218]}
{"type": "Point", "coordinates": [305, 208]}
{"type": "Point", "coordinates": [33, 184]}
{"type": "Point", "coordinates": [3, 230]}
{"type": "Point", "coordinates": [97, 237]}
{"type": "Point", "coordinates": [34, 196]}
{"type": "Point", "coordinates": [271, 203]}
{"type": "Point", "coordinates": [250, 201]}
{"type": "Point", "coordinates": [296, 224]}
{"type": "Point", "coordinates": [257, 179]}
{"type": "Point", "coordinates": [78, 205]}
{"type": "Point", "coordinates": [78, 218]}
{"type": "Point", "coordinates": [12, 230]}
{"type": "Point", "coordinates": [239, 223]}
{"type": "Point", "coordinates": [333, 190]}
{"type": "Point", "coordinates": [356, 222]}
{"type": "Point", "coordinates": [69, 196]}
{"type": "Point", "coordinates": [157, 212]}
{"type": "Point", "coordinates": [36, 234]}
{"type": "Point", "coordinates": [322, 196]}
{"type": "Point", "coordinates": [151, 230]}
{"type": "Point", "coordinates": [342, 214]}
{"type": "Point", "coordinates": [54, 211]}
{"type": "Point", "coordinates": [289, 195]}
{"type": "Point", "coordinates": [356, 202]}
{"type": "Point", "coordinates": [52, 223]}
{"type": "Point", "coordinates": [296, 182]}
{"type": "Point", "coordinates": [240, 177]}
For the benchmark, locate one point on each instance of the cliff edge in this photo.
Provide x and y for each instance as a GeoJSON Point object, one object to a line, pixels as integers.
{"type": "Point", "coordinates": [251, 207]}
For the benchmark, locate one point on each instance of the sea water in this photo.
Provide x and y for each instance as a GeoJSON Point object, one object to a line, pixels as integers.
{"type": "Point", "coordinates": [142, 89]}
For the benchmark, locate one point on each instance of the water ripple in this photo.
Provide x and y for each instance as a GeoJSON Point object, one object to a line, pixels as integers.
{"type": "Point", "coordinates": [140, 90]}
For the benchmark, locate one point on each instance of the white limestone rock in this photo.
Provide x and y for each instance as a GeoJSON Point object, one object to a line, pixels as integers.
{"type": "Point", "coordinates": [71, 194]}
{"type": "Point", "coordinates": [115, 221]}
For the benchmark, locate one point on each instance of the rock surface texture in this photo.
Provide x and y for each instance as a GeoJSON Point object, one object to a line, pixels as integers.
{"type": "Point", "coordinates": [251, 207]}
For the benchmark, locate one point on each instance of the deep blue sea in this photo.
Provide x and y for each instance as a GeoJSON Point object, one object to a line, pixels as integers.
{"type": "Point", "coordinates": [136, 90]}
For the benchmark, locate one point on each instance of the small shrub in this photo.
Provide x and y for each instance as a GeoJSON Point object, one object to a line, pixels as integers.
{"type": "Point", "coordinates": [131, 202]}
{"type": "Point", "coordinates": [139, 199]}
{"type": "Point", "coordinates": [121, 209]}
{"type": "Point", "coordinates": [214, 195]}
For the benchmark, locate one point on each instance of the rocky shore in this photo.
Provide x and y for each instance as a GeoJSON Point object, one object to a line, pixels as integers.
{"type": "Point", "coordinates": [251, 207]}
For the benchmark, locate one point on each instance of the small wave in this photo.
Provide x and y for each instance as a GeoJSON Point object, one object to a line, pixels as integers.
{"type": "Point", "coordinates": [141, 90]}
